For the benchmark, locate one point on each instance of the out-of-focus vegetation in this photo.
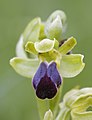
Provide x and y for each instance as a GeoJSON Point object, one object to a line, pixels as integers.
{"type": "Point", "coordinates": [17, 98]}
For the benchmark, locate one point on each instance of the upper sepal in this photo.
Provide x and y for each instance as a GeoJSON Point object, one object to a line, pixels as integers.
{"type": "Point", "coordinates": [54, 29]}
{"type": "Point", "coordinates": [56, 25]}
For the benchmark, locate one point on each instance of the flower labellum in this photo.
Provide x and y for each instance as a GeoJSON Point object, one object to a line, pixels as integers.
{"type": "Point", "coordinates": [47, 80]}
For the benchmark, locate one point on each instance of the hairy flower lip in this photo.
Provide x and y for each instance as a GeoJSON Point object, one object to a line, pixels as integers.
{"type": "Point", "coordinates": [47, 88]}
{"type": "Point", "coordinates": [47, 80]}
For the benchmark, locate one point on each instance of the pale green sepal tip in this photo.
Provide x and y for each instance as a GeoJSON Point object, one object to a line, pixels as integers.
{"type": "Point", "coordinates": [48, 115]}
{"type": "Point", "coordinates": [32, 31]}
{"type": "Point", "coordinates": [67, 46]}
{"type": "Point", "coordinates": [25, 67]}
{"type": "Point", "coordinates": [54, 29]}
{"type": "Point", "coordinates": [29, 47]}
{"type": "Point", "coordinates": [58, 13]}
{"type": "Point", "coordinates": [71, 65]}
{"type": "Point", "coordinates": [62, 16]}
{"type": "Point", "coordinates": [20, 52]}
{"type": "Point", "coordinates": [44, 46]}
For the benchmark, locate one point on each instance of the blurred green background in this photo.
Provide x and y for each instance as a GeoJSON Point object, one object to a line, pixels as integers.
{"type": "Point", "coordinates": [17, 98]}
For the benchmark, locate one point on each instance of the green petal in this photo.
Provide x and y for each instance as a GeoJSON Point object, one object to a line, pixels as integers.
{"type": "Point", "coordinates": [20, 52]}
{"type": "Point", "coordinates": [29, 47]}
{"type": "Point", "coordinates": [67, 46]}
{"type": "Point", "coordinates": [45, 45]}
{"type": "Point", "coordinates": [31, 33]}
{"type": "Point", "coordinates": [71, 65]}
{"type": "Point", "coordinates": [48, 115]}
{"type": "Point", "coordinates": [25, 67]}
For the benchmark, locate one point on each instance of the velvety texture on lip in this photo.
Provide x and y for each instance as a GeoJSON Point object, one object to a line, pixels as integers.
{"type": "Point", "coordinates": [46, 88]}
{"type": "Point", "coordinates": [46, 80]}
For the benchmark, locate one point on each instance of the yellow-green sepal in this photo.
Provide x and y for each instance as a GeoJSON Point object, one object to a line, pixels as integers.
{"type": "Point", "coordinates": [32, 31]}
{"type": "Point", "coordinates": [25, 67]}
{"type": "Point", "coordinates": [71, 65]}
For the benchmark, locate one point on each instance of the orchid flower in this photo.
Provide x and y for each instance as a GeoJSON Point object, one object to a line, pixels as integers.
{"type": "Point", "coordinates": [43, 56]}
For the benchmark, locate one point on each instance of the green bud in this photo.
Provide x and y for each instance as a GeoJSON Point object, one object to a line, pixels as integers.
{"type": "Point", "coordinates": [76, 105]}
{"type": "Point", "coordinates": [48, 115]}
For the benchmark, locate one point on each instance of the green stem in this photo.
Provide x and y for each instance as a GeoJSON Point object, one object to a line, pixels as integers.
{"type": "Point", "coordinates": [43, 106]}
{"type": "Point", "coordinates": [52, 104]}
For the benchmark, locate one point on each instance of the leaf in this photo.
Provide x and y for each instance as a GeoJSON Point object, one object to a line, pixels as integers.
{"type": "Point", "coordinates": [25, 67]}
{"type": "Point", "coordinates": [71, 65]}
